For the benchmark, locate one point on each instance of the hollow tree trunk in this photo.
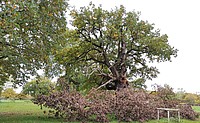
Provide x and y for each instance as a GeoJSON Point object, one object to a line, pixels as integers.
{"type": "Point", "coordinates": [122, 80]}
{"type": "Point", "coordinates": [119, 69]}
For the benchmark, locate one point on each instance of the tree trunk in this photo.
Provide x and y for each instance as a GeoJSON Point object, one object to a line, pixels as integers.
{"type": "Point", "coordinates": [122, 80]}
{"type": "Point", "coordinates": [119, 69]}
{"type": "Point", "coordinates": [122, 83]}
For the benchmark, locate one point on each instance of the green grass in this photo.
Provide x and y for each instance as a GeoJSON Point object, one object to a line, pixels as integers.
{"type": "Point", "coordinates": [173, 121]}
{"type": "Point", "coordinates": [23, 112]}
{"type": "Point", "coordinates": [27, 112]}
{"type": "Point", "coordinates": [196, 108]}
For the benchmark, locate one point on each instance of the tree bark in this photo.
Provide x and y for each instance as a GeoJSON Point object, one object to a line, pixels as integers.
{"type": "Point", "coordinates": [119, 69]}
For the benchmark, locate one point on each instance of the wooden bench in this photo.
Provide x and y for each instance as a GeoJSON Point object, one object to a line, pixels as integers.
{"type": "Point", "coordinates": [168, 110]}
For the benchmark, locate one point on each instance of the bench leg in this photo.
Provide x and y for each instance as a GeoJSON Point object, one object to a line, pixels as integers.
{"type": "Point", "coordinates": [179, 118]}
{"type": "Point", "coordinates": [158, 114]}
{"type": "Point", "coordinates": [168, 115]}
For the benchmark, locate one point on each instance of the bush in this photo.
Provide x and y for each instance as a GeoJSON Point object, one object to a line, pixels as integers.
{"type": "Point", "coordinates": [188, 113]}
{"type": "Point", "coordinates": [135, 106]}
{"type": "Point", "coordinates": [22, 96]}
{"type": "Point", "coordinates": [102, 106]}
{"type": "Point", "coordinates": [68, 105]}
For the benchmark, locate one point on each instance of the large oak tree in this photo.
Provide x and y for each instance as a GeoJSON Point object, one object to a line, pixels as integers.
{"type": "Point", "coordinates": [113, 45]}
{"type": "Point", "coordinates": [29, 29]}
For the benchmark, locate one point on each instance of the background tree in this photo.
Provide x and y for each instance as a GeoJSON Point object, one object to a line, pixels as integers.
{"type": "Point", "coordinates": [41, 86]}
{"type": "Point", "coordinates": [112, 45]}
{"type": "Point", "coordinates": [9, 93]}
{"type": "Point", "coordinates": [191, 99]}
{"type": "Point", "coordinates": [29, 30]}
{"type": "Point", "coordinates": [164, 92]}
{"type": "Point", "coordinates": [180, 94]}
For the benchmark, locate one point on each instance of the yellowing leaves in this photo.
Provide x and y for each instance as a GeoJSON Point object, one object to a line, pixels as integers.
{"type": "Point", "coordinates": [50, 14]}
{"type": "Point", "coordinates": [115, 36]}
{"type": "Point", "coordinates": [73, 13]}
{"type": "Point", "coordinates": [14, 7]}
{"type": "Point", "coordinates": [1, 23]}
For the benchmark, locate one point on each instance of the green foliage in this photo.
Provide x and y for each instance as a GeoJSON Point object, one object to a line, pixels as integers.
{"type": "Point", "coordinates": [139, 83]}
{"type": "Point", "coordinates": [38, 86]}
{"type": "Point", "coordinates": [188, 98]}
{"type": "Point", "coordinates": [76, 82]}
{"type": "Point", "coordinates": [180, 94]}
{"type": "Point", "coordinates": [109, 43]}
{"type": "Point", "coordinates": [192, 99]}
{"type": "Point", "coordinates": [9, 93]}
{"type": "Point", "coordinates": [29, 30]}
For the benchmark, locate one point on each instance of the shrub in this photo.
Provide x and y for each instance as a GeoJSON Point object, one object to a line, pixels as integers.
{"type": "Point", "coordinates": [9, 93]}
{"type": "Point", "coordinates": [187, 112]}
{"type": "Point", "coordinates": [135, 106]}
{"type": "Point", "coordinates": [22, 96]}
{"type": "Point", "coordinates": [102, 105]}
{"type": "Point", "coordinates": [69, 105]}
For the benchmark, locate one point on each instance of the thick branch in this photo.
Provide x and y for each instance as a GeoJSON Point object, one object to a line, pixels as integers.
{"type": "Point", "coordinates": [143, 64]}
{"type": "Point", "coordinates": [105, 75]}
{"type": "Point", "coordinates": [138, 52]}
{"type": "Point", "coordinates": [7, 44]}
{"type": "Point", "coordinates": [104, 84]}
{"type": "Point", "coordinates": [2, 57]}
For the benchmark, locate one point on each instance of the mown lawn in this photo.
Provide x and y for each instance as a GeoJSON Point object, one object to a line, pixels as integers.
{"type": "Point", "coordinates": [27, 112]}
{"type": "Point", "coordinates": [23, 112]}
{"type": "Point", "coordinates": [196, 108]}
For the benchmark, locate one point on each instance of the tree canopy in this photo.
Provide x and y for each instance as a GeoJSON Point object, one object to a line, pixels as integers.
{"type": "Point", "coordinates": [40, 86]}
{"type": "Point", "coordinates": [113, 45]}
{"type": "Point", "coordinates": [101, 47]}
{"type": "Point", "coordinates": [29, 29]}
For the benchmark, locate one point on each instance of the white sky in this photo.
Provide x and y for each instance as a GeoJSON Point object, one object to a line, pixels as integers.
{"type": "Point", "coordinates": [180, 20]}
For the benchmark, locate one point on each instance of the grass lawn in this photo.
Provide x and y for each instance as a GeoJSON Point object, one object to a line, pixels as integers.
{"type": "Point", "coordinates": [23, 112]}
{"type": "Point", "coordinates": [196, 108]}
{"type": "Point", "coordinates": [27, 112]}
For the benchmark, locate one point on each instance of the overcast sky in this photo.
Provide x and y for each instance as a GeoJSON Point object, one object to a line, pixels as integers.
{"type": "Point", "coordinates": [180, 20]}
